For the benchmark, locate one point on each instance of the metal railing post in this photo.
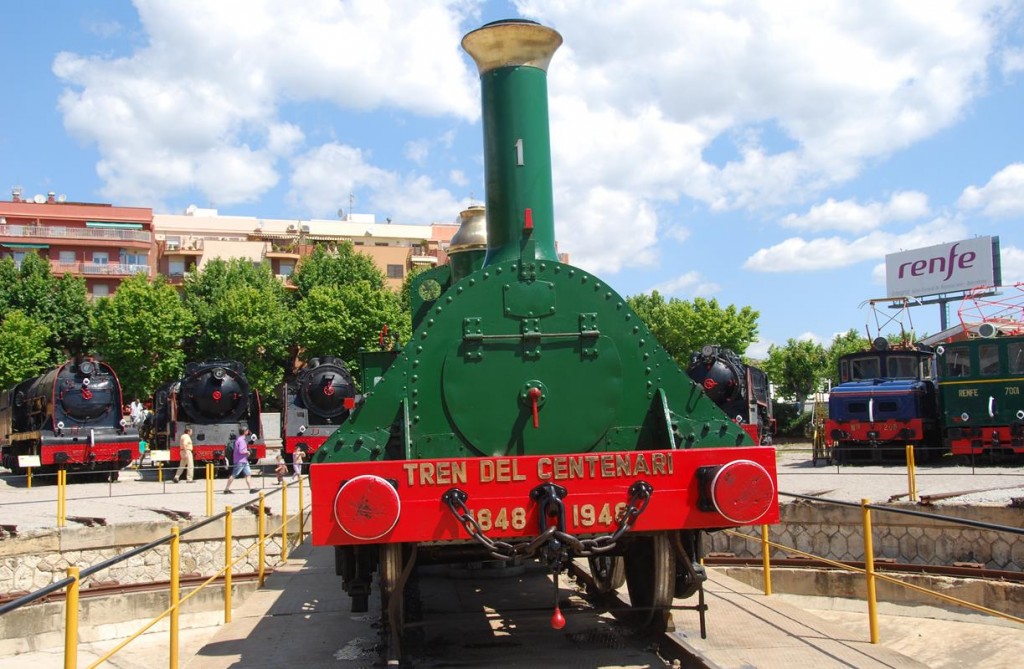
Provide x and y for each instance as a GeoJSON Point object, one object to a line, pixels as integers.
{"type": "Point", "coordinates": [869, 570]}
{"type": "Point", "coordinates": [766, 560]}
{"type": "Point", "coordinates": [71, 622]}
{"type": "Point", "coordinates": [29, 478]}
{"type": "Point", "coordinates": [302, 519]}
{"type": "Point", "coordinates": [62, 497]}
{"type": "Point", "coordinates": [175, 596]}
{"type": "Point", "coordinates": [209, 489]}
{"type": "Point", "coordinates": [911, 475]}
{"type": "Point", "coordinates": [261, 524]}
{"type": "Point", "coordinates": [284, 523]}
{"type": "Point", "coordinates": [227, 564]}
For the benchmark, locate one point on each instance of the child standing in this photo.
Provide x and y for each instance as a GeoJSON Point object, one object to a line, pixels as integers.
{"type": "Point", "coordinates": [297, 458]}
{"type": "Point", "coordinates": [281, 469]}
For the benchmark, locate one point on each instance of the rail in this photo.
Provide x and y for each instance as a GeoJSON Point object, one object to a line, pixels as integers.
{"type": "Point", "coordinates": [869, 571]}
{"type": "Point", "coordinates": [76, 574]}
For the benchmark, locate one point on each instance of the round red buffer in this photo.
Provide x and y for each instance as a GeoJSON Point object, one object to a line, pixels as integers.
{"type": "Point", "coordinates": [367, 507]}
{"type": "Point", "coordinates": [742, 491]}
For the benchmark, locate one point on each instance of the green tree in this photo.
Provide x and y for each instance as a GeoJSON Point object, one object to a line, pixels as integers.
{"type": "Point", "coordinates": [140, 330]}
{"type": "Point", "coordinates": [683, 327]}
{"type": "Point", "coordinates": [62, 303]}
{"type": "Point", "coordinates": [336, 268]}
{"type": "Point", "coordinates": [797, 369]}
{"type": "Point", "coordinates": [341, 320]}
{"type": "Point", "coordinates": [23, 348]}
{"type": "Point", "coordinates": [243, 313]}
{"type": "Point", "coordinates": [252, 325]}
{"type": "Point", "coordinates": [842, 344]}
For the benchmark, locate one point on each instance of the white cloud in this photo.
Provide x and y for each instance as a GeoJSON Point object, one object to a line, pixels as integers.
{"type": "Point", "coordinates": [1012, 259]}
{"type": "Point", "coordinates": [798, 254]}
{"type": "Point", "coordinates": [878, 274]}
{"type": "Point", "coordinates": [1013, 62]}
{"type": "Point", "coordinates": [213, 79]}
{"type": "Point", "coordinates": [834, 84]}
{"type": "Point", "coordinates": [1001, 197]}
{"type": "Point", "coordinates": [417, 151]}
{"type": "Point", "coordinates": [606, 230]}
{"type": "Point", "coordinates": [691, 284]}
{"type": "Point", "coordinates": [849, 216]}
{"type": "Point", "coordinates": [458, 177]}
{"type": "Point", "coordinates": [679, 233]}
{"type": "Point", "coordinates": [324, 177]}
{"type": "Point", "coordinates": [758, 350]}
{"type": "Point", "coordinates": [810, 336]}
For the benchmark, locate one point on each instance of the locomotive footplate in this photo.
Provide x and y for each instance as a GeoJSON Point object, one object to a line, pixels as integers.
{"type": "Point", "coordinates": [400, 501]}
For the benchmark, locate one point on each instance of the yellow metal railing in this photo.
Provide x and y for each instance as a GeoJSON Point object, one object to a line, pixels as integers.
{"type": "Point", "coordinates": [75, 575]}
{"type": "Point", "coordinates": [870, 574]}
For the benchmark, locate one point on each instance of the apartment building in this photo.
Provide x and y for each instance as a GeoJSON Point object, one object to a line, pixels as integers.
{"type": "Point", "coordinates": [102, 243]}
{"type": "Point", "coordinates": [194, 238]}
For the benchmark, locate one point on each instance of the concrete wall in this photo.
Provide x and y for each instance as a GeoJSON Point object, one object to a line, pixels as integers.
{"type": "Point", "coordinates": [836, 532]}
{"type": "Point", "coordinates": [31, 561]}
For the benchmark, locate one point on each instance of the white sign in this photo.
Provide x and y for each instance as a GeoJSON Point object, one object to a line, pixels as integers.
{"type": "Point", "coordinates": [159, 456]}
{"type": "Point", "coordinates": [29, 461]}
{"type": "Point", "coordinates": [945, 268]}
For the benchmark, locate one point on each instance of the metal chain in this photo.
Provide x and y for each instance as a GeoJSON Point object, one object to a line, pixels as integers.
{"type": "Point", "coordinates": [640, 496]}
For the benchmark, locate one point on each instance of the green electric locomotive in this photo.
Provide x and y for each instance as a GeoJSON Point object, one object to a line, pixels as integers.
{"type": "Point", "coordinates": [532, 414]}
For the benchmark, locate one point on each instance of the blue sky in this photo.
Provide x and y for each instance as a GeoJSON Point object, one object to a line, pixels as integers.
{"type": "Point", "coordinates": [761, 153]}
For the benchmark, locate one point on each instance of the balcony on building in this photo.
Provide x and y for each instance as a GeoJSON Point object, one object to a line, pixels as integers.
{"type": "Point", "coordinates": [181, 246]}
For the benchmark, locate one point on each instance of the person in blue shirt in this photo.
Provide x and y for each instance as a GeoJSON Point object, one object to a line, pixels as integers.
{"type": "Point", "coordinates": [241, 460]}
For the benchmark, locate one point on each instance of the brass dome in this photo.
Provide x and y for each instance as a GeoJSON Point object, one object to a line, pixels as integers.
{"type": "Point", "coordinates": [472, 233]}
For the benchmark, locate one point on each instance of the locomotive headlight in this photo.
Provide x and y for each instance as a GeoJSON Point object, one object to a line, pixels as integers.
{"type": "Point", "coordinates": [741, 491]}
{"type": "Point", "coordinates": [302, 429]}
{"type": "Point", "coordinates": [124, 423]}
{"type": "Point", "coordinates": [1020, 415]}
{"type": "Point", "coordinates": [367, 492]}
{"type": "Point", "coordinates": [965, 416]}
{"type": "Point", "coordinates": [85, 383]}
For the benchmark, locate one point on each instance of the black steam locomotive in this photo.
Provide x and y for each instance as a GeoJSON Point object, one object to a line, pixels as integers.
{"type": "Point", "coordinates": [214, 399]}
{"type": "Point", "coordinates": [314, 404]}
{"type": "Point", "coordinates": [69, 417]}
{"type": "Point", "coordinates": [741, 391]}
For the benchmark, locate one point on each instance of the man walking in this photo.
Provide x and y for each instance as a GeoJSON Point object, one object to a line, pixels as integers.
{"type": "Point", "coordinates": [187, 463]}
{"type": "Point", "coordinates": [241, 461]}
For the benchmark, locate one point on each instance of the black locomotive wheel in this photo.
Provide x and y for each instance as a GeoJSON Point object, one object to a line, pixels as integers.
{"type": "Point", "coordinates": [608, 571]}
{"type": "Point", "coordinates": [650, 568]}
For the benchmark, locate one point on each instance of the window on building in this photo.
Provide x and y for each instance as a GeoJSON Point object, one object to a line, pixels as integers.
{"type": "Point", "coordinates": [100, 257]}
{"type": "Point", "coordinates": [136, 258]}
{"type": "Point", "coordinates": [286, 269]}
{"type": "Point", "coordinates": [67, 257]}
{"type": "Point", "coordinates": [100, 290]}
{"type": "Point", "coordinates": [175, 267]}
{"type": "Point", "coordinates": [396, 272]}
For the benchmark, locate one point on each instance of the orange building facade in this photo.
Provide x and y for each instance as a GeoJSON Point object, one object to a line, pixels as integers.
{"type": "Point", "coordinates": [103, 244]}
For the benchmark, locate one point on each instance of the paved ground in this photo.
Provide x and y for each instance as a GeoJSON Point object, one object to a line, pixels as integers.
{"type": "Point", "coordinates": [988, 485]}
{"type": "Point", "coordinates": [138, 495]}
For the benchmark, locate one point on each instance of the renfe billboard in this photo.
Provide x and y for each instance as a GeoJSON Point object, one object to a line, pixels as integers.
{"type": "Point", "coordinates": [945, 268]}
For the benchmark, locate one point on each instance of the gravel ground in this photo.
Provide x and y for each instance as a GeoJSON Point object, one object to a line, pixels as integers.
{"type": "Point", "coordinates": [983, 485]}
